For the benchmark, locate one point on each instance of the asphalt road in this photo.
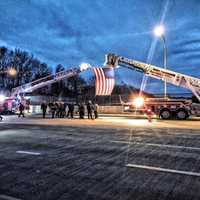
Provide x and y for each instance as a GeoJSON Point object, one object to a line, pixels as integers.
{"type": "Point", "coordinates": [108, 158]}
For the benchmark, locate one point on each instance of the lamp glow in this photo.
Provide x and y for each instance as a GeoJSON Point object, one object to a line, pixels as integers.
{"type": "Point", "coordinates": [12, 72]}
{"type": "Point", "coordinates": [84, 66]}
{"type": "Point", "coordinates": [2, 97]}
{"type": "Point", "coordinates": [159, 31]}
{"type": "Point", "coordinates": [139, 101]}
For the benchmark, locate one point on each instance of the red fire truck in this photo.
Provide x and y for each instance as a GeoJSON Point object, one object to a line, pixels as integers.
{"type": "Point", "coordinates": [9, 104]}
{"type": "Point", "coordinates": [165, 108]}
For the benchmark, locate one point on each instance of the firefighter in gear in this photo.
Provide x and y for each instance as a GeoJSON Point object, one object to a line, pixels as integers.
{"type": "Point", "coordinates": [149, 114]}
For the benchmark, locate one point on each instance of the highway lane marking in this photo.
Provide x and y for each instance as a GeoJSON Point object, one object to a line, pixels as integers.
{"type": "Point", "coordinates": [5, 197]}
{"type": "Point", "coordinates": [157, 145]}
{"type": "Point", "coordinates": [29, 152]}
{"type": "Point", "coordinates": [164, 170]}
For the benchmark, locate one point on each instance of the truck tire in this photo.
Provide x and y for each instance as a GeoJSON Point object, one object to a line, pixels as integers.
{"type": "Point", "coordinates": [182, 114]}
{"type": "Point", "coordinates": [165, 114]}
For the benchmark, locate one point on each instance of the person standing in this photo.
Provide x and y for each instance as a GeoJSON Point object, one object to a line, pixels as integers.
{"type": "Point", "coordinates": [28, 103]}
{"type": "Point", "coordinates": [57, 109]}
{"type": "Point", "coordinates": [96, 110]}
{"type": "Point", "coordinates": [81, 111]}
{"type": "Point", "coordinates": [53, 110]}
{"type": "Point", "coordinates": [70, 110]}
{"type": "Point", "coordinates": [149, 114]}
{"type": "Point", "coordinates": [21, 110]}
{"type": "Point", "coordinates": [62, 110]}
{"type": "Point", "coordinates": [89, 110]}
{"type": "Point", "coordinates": [44, 109]}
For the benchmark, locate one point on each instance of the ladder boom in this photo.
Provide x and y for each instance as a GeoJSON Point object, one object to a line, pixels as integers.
{"type": "Point", "coordinates": [29, 87]}
{"type": "Point", "coordinates": [169, 76]}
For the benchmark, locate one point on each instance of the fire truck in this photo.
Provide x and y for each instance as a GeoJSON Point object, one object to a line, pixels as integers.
{"type": "Point", "coordinates": [165, 108]}
{"type": "Point", "coordinates": [9, 104]}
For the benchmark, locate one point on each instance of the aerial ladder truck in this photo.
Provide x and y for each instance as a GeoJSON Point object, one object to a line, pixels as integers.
{"type": "Point", "coordinates": [42, 82]}
{"type": "Point", "coordinates": [165, 108]}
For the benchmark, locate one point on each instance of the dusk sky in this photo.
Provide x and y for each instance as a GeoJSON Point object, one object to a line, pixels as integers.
{"type": "Point", "coordinates": [73, 31]}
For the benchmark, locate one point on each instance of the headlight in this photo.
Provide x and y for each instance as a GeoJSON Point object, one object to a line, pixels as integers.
{"type": "Point", "coordinates": [138, 102]}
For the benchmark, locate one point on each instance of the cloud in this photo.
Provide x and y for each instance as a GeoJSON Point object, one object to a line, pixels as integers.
{"type": "Point", "coordinates": [3, 43]}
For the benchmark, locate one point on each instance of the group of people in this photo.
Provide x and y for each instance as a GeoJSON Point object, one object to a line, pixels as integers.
{"type": "Point", "coordinates": [61, 110]}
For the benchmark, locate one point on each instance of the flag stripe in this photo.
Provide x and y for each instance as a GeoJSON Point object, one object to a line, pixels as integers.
{"type": "Point", "coordinates": [104, 83]}
{"type": "Point", "coordinates": [102, 89]}
{"type": "Point", "coordinates": [97, 78]}
{"type": "Point", "coordinates": [100, 80]}
{"type": "Point", "coordinates": [96, 71]}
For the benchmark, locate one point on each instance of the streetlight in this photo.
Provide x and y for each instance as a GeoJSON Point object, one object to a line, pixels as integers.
{"type": "Point", "coordinates": [159, 32]}
{"type": "Point", "coordinates": [12, 72]}
{"type": "Point", "coordinates": [84, 66]}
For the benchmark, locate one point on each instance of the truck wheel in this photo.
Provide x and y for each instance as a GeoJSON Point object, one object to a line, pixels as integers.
{"type": "Point", "coordinates": [165, 114]}
{"type": "Point", "coordinates": [182, 114]}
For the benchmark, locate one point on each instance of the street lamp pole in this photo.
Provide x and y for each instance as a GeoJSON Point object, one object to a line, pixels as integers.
{"type": "Point", "coordinates": [165, 63]}
{"type": "Point", "coordinates": [159, 32]}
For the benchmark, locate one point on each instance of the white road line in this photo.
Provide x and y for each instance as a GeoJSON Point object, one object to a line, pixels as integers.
{"type": "Point", "coordinates": [5, 197]}
{"type": "Point", "coordinates": [121, 142]}
{"type": "Point", "coordinates": [158, 145]}
{"type": "Point", "coordinates": [29, 152]}
{"type": "Point", "coordinates": [164, 170]}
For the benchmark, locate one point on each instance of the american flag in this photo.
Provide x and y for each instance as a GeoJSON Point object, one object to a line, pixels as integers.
{"type": "Point", "coordinates": [105, 80]}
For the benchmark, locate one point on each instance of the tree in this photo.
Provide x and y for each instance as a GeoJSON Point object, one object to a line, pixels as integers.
{"type": "Point", "coordinates": [28, 68]}
{"type": "Point", "coordinates": [3, 51]}
{"type": "Point", "coordinates": [59, 68]}
{"type": "Point", "coordinates": [58, 87]}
